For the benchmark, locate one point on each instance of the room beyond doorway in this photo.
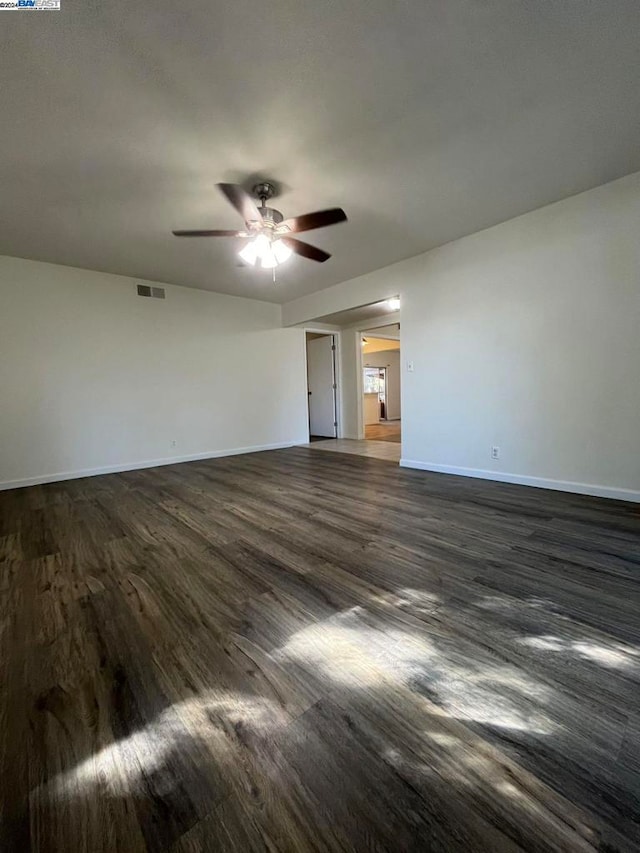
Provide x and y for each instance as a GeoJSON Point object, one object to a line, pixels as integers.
{"type": "Point", "coordinates": [387, 431]}
{"type": "Point", "coordinates": [381, 413]}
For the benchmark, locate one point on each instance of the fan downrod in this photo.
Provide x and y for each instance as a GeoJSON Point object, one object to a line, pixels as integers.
{"type": "Point", "coordinates": [270, 216]}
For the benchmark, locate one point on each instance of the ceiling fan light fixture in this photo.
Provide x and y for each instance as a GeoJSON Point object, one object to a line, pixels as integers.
{"type": "Point", "coordinates": [281, 251]}
{"type": "Point", "coordinates": [249, 253]}
{"type": "Point", "coordinates": [262, 249]}
{"type": "Point", "coordinates": [262, 244]}
{"type": "Point", "coordinates": [267, 232]}
{"type": "Point", "coordinates": [268, 260]}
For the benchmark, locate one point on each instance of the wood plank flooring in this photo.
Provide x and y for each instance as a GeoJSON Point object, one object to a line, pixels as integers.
{"type": "Point", "coordinates": [311, 651]}
{"type": "Point", "coordinates": [384, 431]}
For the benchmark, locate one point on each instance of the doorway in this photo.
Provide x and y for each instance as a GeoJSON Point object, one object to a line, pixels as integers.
{"type": "Point", "coordinates": [321, 386]}
{"type": "Point", "coordinates": [381, 415]}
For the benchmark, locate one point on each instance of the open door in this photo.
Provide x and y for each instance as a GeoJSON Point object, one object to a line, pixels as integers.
{"type": "Point", "coordinates": [321, 383]}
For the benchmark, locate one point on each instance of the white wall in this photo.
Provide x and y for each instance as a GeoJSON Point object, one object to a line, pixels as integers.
{"type": "Point", "coordinates": [391, 360]}
{"type": "Point", "coordinates": [94, 377]}
{"type": "Point", "coordinates": [525, 336]}
{"type": "Point", "coordinates": [350, 384]}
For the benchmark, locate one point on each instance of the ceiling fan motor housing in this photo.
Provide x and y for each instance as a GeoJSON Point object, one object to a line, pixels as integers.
{"type": "Point", "coordinates": [271, 216]}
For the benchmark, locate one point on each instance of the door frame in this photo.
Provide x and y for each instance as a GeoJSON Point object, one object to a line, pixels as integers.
{"type": "Point", "coordinates": [337, 370]}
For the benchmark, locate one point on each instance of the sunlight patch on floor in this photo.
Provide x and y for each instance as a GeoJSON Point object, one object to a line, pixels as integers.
{"type": "Point", "coordinates": [416, 601]}
{"type": "Point", "coordinates": [123, 767]}
{"type": "Point", "coordinates": [612, 655]}
{"type": "Point", "coordinates": [354, 654]}
{"type": "Point", "coordinates": [502, 602]}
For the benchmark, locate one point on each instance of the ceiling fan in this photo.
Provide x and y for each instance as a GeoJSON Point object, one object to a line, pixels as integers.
{"type": "Point", "coordinates": [268, 233]}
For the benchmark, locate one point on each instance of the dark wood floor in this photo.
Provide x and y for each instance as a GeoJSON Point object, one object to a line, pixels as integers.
{"type": "Point", "coordinates": [302, 650]}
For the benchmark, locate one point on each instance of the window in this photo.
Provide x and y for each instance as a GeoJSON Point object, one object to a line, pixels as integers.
{"type": "Point", "coordinates": [373, 380]}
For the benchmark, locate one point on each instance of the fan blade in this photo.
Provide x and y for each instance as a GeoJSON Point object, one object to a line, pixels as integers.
{"type": "Point", "coordinates": [216, 233]}
{"type": "Point", "coordinates": [319, 219]}
{"type": "Point", "coordinates": [242, 202]}
{"type": "Point", "coordinates": [306, 250]}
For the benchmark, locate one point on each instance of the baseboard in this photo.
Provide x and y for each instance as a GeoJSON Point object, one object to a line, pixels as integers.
{"type": "Point", "coordinates": [521, 480]}
{"type": "Point", "coordinates": [136, 466]}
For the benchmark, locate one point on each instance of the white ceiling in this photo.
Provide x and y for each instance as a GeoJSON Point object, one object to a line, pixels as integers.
{"type": "Point", "coordinates": [425, 120]}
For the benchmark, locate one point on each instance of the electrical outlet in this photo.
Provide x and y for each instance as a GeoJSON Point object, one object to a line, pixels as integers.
{"type": "Point", "coordinates": [173, 442]}
{"type": "Point", "coordinates": [495, 452]}
{"type": "Point", "coordinates": [410, 366]}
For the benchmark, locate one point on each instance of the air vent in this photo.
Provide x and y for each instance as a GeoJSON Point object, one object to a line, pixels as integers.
{"type": "Point", "coordinates": [154, 292]}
